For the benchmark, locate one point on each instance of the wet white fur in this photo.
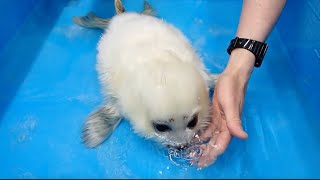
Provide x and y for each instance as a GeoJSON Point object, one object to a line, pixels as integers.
{"type": "Point", "coordinates": [154, 73]}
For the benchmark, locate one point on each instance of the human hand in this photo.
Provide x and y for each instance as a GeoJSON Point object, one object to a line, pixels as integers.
{"type": "Point", "coordinates": [227, 106]}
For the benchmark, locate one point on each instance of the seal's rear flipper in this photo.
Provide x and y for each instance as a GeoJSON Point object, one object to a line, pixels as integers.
{"type": "Point", "coordinates": [99, 125]}
{"type": "Point", "coordinates": [147, 9]}
{"type": "Point", "coordinates": [213, 80]}
{"type": "Point", "coordinates": [118, 6]}
{"type": "Point", "coordinates": [91, 21]}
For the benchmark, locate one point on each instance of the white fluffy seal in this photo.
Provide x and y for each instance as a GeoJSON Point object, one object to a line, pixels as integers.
{"type": "Point", "coordinates": [151, 75]}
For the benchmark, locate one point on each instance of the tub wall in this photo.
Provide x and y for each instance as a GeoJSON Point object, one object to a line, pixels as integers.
{"type": "Point", "coordinates": [19, 44]}
{"type": "Point", "coordinates": [272, 125]}
{"type": "Point", "coordinates": [299, 28]}
{"type": "Point", "coordinates": [13, 15]}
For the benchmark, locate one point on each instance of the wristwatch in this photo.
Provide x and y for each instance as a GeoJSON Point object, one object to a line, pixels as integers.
{"type": "Point", "coordinates": [259, 49]}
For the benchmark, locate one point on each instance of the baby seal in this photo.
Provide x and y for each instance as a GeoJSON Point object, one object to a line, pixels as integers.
{"type": "Point", "coordinates": [150, 75]}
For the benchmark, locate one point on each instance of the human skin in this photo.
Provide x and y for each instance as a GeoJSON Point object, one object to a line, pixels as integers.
{"type": "Point", "coordinates": [257, 20]}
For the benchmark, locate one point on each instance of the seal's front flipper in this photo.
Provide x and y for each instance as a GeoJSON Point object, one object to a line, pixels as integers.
{"type": "Point", "coordinates": [147, 9]}
{"type": "Point", "coordinates": [91, 21]}
{"type": "Point", "coordinates": [213, 80]}
{"type": "Point", "coordinates": [99, 125]}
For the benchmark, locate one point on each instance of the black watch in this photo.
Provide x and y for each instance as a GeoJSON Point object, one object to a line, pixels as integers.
{"type": "Point", "coordinates": [259, 49]}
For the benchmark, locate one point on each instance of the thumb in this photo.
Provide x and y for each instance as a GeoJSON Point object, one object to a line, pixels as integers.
{"type": "Point", "coordinates": [235, 128]}
{"type": "Point", "coordinates": [231, 114]}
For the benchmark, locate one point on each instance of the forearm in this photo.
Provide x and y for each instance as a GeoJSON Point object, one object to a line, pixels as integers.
{"type": "Point", "coordinates": [257, 19]}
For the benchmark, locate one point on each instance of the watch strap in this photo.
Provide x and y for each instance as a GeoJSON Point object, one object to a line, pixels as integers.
{"type": "Point", "coordinates": [259, 49]}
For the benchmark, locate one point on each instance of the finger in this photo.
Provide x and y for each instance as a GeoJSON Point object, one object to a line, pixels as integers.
{"type": "Point", "coordinates": [208, 133]}
{"type": "Point", "coordinates": [214, 137]}
{"type": "Point", "coordinates": [215, 147]}
{"type": "Point", "coordinates": [215, 121]}
{"type": "Point", "coordinates": [222, 142]}
{"type": "Point", "coordinates": [210, 152]}
{"type": "Point", "coordinates": [207, 157]}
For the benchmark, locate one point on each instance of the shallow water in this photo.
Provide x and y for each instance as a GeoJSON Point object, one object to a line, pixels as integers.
{"type": "Point", "coordinates": [41, 122]}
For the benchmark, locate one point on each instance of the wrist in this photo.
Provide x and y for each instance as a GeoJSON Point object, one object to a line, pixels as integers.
{"type": "Point", "coordinates": [241, 64]}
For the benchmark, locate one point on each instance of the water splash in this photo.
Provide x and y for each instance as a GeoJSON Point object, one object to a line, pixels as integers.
{"type": "Point", "coordinates": [187, 156]}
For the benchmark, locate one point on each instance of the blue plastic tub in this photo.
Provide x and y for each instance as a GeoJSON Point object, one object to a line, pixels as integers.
{"type": "Point", "coordinates": [48, 85]}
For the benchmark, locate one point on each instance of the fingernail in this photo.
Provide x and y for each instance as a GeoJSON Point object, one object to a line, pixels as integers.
{"type": "Point", "coordinates": [240, 128]}
{"type": "Point", "coordinates": [244, 133]}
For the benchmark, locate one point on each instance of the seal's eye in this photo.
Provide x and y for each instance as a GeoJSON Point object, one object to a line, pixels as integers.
{"type": "Point", "coordinates": [193, 122]}
{"type": "Point", "coordinates": [161, 127]}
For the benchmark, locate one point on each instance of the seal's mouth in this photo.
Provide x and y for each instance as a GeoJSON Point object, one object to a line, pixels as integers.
{"type": "Point", "coordinates": [178, 147]}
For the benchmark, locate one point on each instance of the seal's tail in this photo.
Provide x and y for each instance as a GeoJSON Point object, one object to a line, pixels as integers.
{"type": "Point", "coordinates": [92, 21]}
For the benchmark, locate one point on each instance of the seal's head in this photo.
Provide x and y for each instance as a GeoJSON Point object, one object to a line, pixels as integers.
{"type": "Point", "coordinates": [173, 103]}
